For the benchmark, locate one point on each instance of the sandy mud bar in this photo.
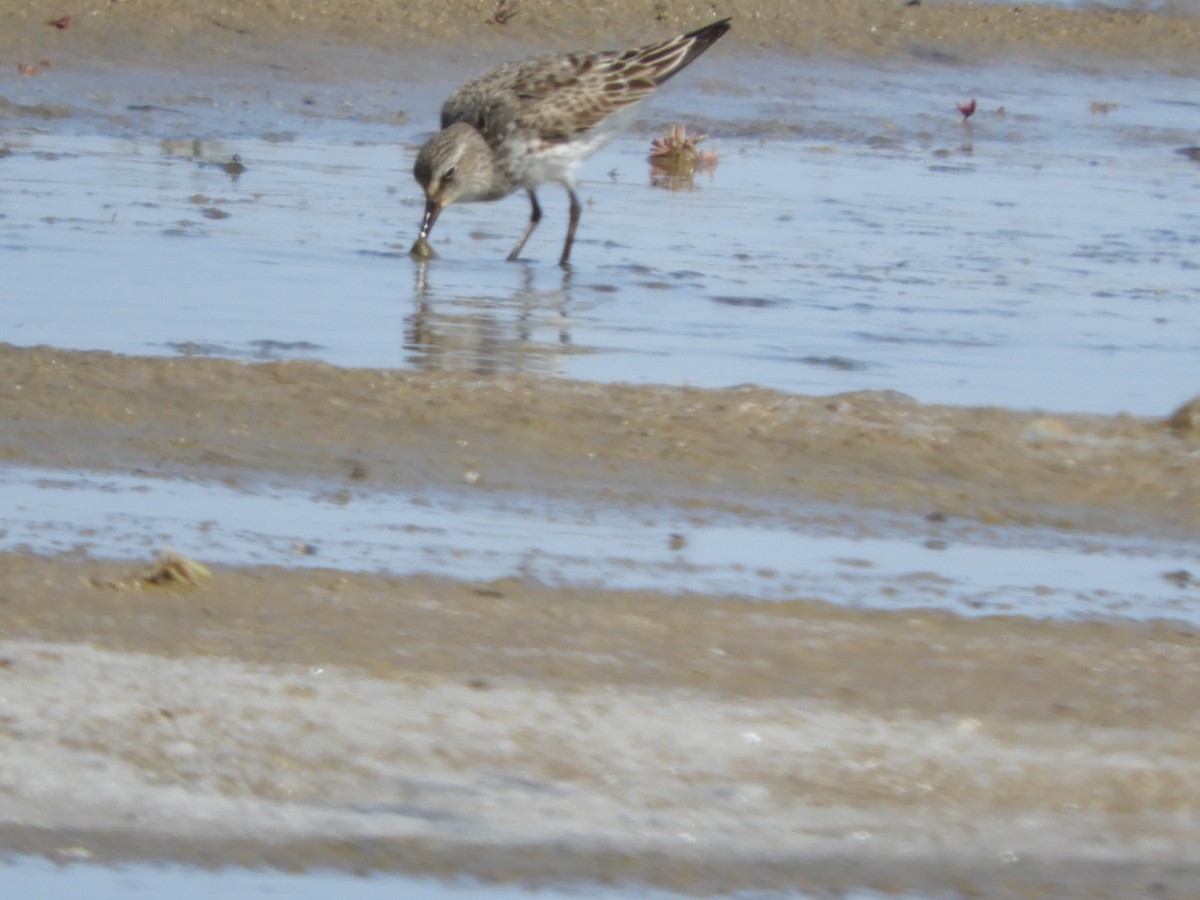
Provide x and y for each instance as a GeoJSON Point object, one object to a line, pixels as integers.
{"type": "Point", "coordinates": [512, 730]}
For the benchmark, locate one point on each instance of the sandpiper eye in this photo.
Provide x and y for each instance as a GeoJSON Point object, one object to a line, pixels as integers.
{"type": "Point", "coordinates": [449, 176]}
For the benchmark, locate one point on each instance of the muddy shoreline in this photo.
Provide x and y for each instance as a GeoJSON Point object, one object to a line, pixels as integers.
{"type": "Point", "coordinates": [557, 692]}
{"type": "Point", "coordinates": [210, 35]}
{"type": "Point", "coordinates": [223, 420]}
{"type": "Point", "coordinates": [902, 752]}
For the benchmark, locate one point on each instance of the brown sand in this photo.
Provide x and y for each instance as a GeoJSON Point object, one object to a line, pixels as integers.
{"type": "Point", "coordinates": [1091, 730]}
{"type": "Point", "coordinates": [220, 34]}
{"type": "Point", "coordinates": [1000, 741]}
{"type": "Point", "coordinates": [219, 419]}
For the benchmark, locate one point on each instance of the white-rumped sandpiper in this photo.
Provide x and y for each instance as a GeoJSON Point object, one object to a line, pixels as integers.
{"type": "Point", "coordinates": [527, 123]}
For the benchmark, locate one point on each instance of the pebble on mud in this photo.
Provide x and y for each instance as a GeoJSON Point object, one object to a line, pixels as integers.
{"type": "Point", "coordinates": [169, 568]}
{"type": "Point", "coordinates": [1186, 419]}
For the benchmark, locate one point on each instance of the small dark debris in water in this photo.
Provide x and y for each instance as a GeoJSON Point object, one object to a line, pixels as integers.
{"type": "Point", "coordinates": [197, 348]}
{"type": "Point", "coordinates": [967, 109]}
{"type": "Point", "coordinates": [490, 592]}
{"type": "Point", "coordinates": [166, 714]}
{"type": "Point", "coordinates": [398, 253]}
{"type": "Point", "coordinates": [478, 684]}
{"type": "Point", "coordinates": [1181, 578]}
{"type": "Point", "coordinates": [884, 142]}
{"type": "Point", "coordinates": [6, 662]}
{"type": "Point", "coordinates": [935, 55]}
{"type": "Point", "coordinates": [1103, 107]}
{"type": "Point", "coordinates": [750, 302]}
{"type": "Point", "coordinates": [854, 562]}
{"type": "Point", "coordinates": [150, 108]}
{"type": "Point", "coordinates": [267, 348]}
{"type": "Point", "coordinates": [211, 212]}
{"type": "Point", "coordinates": [837, 363]}
{"type": "Point", "coordinates": [305, 549]}
{"type": "Point", "coordinates": [912, 2]}
{"type": "Point", "coordinates": [358, 471]}
{"type": "Point", "coordinates": [1192, 153]}
{"type": "Point", "coordinates": [936, 544]}
{"type": "Point", "coordinates": [937, 516]}
{"type": "Point", "coordinates": [62, 23]}
{"type": "Point", "coordinates": [676, 541]}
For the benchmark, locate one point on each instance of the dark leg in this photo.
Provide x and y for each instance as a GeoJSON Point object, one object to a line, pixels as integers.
{"type": "Point", "coordinates": [535, 216]}
{"type": "Point", "coordinates": [576, 209]}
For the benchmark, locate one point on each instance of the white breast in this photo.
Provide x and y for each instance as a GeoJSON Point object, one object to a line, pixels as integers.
{"type": "Point", "coordinates": [529, 160]}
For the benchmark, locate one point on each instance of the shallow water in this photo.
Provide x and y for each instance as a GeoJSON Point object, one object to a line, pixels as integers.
{"type": "Point", "coordinates": [30, 878]}
{"type": "Point", "coordinates": [837, 555]}
{"type": "Point", "coordinates": [855, 235]}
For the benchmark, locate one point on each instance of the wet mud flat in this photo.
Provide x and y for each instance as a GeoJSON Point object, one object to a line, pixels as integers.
{"type": "Point", "coordinates": [742, 449]}
{"type": "Point", "coordinates": [510, 729]}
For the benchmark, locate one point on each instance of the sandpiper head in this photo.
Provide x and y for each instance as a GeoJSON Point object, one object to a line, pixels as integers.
{"type": "Point", "coordinates": [454, 166]}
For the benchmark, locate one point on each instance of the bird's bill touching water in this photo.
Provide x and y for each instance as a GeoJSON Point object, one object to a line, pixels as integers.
{"type": "Point", "coordinates": [420, 248]}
